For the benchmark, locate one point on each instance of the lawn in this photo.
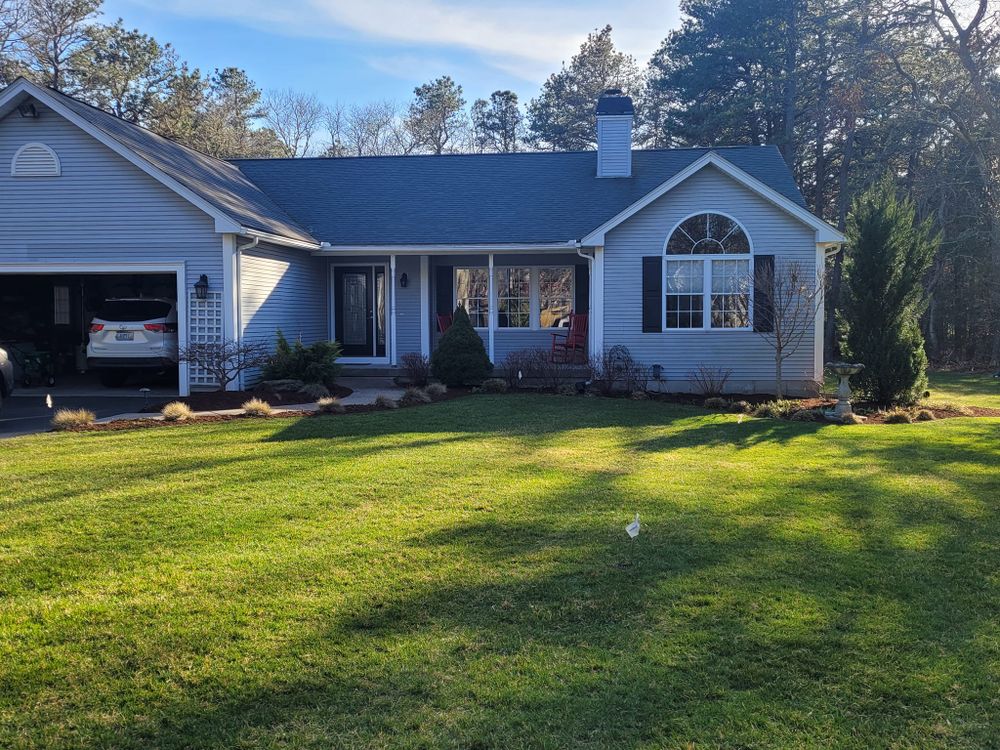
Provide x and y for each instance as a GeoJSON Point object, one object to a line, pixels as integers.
{"type": "Point", "coordinates": [458, 576]}
{"type": "Point", "coordinates": [965, 388]}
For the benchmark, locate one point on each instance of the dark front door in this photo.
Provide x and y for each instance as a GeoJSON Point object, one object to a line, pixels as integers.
{"type": "Point", "coordinates": [360, 310]}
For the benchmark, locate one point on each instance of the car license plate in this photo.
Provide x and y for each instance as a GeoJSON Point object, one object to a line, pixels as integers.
{"type": "Point", "coordinates": [124, 336]}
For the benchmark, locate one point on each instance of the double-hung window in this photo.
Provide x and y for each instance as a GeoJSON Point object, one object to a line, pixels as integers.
{"type": "Point", "coordinates": [524, 297]}
{"type": "Point", "coordinates": [708, 274]}
{"type": "Point", "coordinates": [472, 292]}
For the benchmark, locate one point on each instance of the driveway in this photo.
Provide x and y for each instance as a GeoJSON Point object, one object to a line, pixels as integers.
{"type": "Point", "coordinates": [25, 413]}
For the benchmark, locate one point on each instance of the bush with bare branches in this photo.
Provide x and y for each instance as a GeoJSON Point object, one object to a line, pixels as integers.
{"type": "Point", "coordinates": [709, 381]}
{"type": "Point", "coordinates": [226, 359]}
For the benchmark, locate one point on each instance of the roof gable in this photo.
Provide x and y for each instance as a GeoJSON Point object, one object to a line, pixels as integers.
{"type": "Point", "coordinates": [213, 185]}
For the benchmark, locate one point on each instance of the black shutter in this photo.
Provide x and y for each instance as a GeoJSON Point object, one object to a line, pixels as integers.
{"type": "Point", "coordinates": [443, 292]}
{"type": "Point", "coordinates": [582, 282]}
{"type": "Point", "coordinates": [652, 294]}
{"type": "Point", "coordinates": [763, 289]}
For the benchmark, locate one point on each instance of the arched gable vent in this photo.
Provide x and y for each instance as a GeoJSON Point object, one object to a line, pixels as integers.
{"type": "Point", "coordinates": [35, 160]}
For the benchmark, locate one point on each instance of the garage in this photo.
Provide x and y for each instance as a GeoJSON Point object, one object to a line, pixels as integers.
{"type": "Point", "coordinates": [47, 320]}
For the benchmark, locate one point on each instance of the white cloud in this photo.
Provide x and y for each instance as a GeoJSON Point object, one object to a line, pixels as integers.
{"type": "Point", "coordinates": [521, 38]}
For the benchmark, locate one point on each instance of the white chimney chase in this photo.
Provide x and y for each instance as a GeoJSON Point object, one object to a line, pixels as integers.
{"type": "Point", "coordinates": [614, 134]}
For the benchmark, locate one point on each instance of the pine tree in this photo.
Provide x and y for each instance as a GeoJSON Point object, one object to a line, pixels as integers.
{"type": "Point", "coordinates": [884, 296]}
{"type": "Point", "coordinates": [460, 357]}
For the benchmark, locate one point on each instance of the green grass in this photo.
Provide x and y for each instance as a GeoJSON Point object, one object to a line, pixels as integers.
{"type": "Point", "coordinates": [965, 388]}
{"type": "Point", "coordinates": [458, 576]}
{"type": "Point", "coordinates": [961, 388]}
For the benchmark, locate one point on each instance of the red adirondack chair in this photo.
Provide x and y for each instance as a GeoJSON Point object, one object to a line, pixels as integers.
{"type": "Point", "coordinates": [572, 345]}
{"type": "Point", "coordinates": [444, 321]}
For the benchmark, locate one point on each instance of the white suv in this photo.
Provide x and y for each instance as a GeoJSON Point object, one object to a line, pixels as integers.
{"type": "Point", "coordinates": [130, 334]}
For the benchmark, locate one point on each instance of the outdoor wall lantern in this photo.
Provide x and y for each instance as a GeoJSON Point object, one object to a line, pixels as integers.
{"type": "Point", "coordinates": [404, 280]}
{"type": "Point", "coordinates": [657, 372]}
{"type": "Point", "coordinates": [201, 287]}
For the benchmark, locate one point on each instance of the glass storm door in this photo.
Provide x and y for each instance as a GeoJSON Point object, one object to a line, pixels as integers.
{"type": "Point", "coordinates": [360, 310]}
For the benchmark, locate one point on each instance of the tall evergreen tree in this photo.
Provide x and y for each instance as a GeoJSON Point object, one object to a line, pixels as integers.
{"type": "Point", "coordinates": [562, 117]}
{"type": "Point", "coordinates": [436, 114]}
{"type": "Point", "coordinates": [884, 296]}
{"type": "Point", "coordinates": [497, 122]}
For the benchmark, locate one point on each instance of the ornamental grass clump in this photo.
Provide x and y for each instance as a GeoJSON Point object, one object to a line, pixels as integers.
{"type": "Point", "coordinates": [898, 416]}
{"type": "Point", "coordinates": [715, 402]}
{"type": "Point", "coordinates": [176, 411]}
{"type": "Point", "coordinates": [257, 408]}
{"type": "Point", "coordinates": [330, 405]}
{"type": "Point", "coordinates": [414, 397]}
{"type": "Point", "coordinates": [925, 415]}
{"type": "Point", "coordinates": [382, 401]}
{"type": "Point", "coordinates": [782, 409]}
{"type": "Point", "coordinates": [436, 390]}
{"type": "Point", "coordinates": [66, 419]}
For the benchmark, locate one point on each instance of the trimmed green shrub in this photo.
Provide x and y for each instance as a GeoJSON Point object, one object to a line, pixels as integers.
{"type": "Point", "coordinates": [315, 391]}
{"type": "Point", "coordinates": [316, 363]}
{"type": "Point", "coordinates": [460, 357]}
{"type": "Point", "coordinates": [495, 385]}
{"type": "Point", "coordinates": [884, 295]}
{"type": "Point", "coordinates": [807, 415]}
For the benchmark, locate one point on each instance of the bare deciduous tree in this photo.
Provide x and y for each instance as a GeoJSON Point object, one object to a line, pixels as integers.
{"type": "Point", "coordinates": [373, 129]}
{"type": "Point", "coordinates": [13, 25]}
{"type": "Point", "coordinates": [786, 311]}
{"type": "Point", "coordinates": [294, 117]}
{"type": "Point", "coordinates": [225, 360]}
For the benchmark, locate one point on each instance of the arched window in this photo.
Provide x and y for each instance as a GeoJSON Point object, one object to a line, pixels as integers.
{"type": "Point", "coordinates": [710, 287]}
{"type": "Point", "coordinates": [35, 160]}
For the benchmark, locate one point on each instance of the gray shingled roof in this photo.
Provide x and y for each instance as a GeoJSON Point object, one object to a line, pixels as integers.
{"type": "Point", "coordinates": [478, 199]}
{"type": "Point", "coordinates": [218, 182]}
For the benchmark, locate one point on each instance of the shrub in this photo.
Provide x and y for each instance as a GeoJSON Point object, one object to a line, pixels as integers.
{"type": "Point", "coordinates": [330, 405]}
{"type": "Point", "coordinates": [436, 390]}
{"type": "Point", "coordinates": [567, 390]}
{"type": "Point", "coordinates": [743, 407]}
{"type": "Point", "coordinates": [925, 415]}
{"type": "Point", "coordinates": [225, 360]}
{"type": "Point", "coordinates": [776, 409]}
{"type": "Point", "coordinates": [807, 415]}
{"type": "Point", "coordinates": [716, 402]}
{"type": "Point", "coordinates": [460, 357]}
{"type": "Point", "coordinates": [898, 416]}
{"type": "Point", "coordinates": [884, 294]}
{"type": "Point", "coordinates": [316, 363]}
{"type": "Point", "coordinates": [65, 419]}
{"type": "Point", "coordinates": [176, 411]}
{"type": "Point", "coordinates": [520, 362]}
{"type": "Point", "coordinates": [288, 385]}
{"type": "Point", "coordinates": [639, 395]}
{"type": "Point", "coordinates": [315, 391]}
{"type": "Point", "coordinates": [414, 397]}
{"type": "Point", "coordinates": [382, 401]}
{"type": "Point", "coordinates": [494, 385]}
{"type": "Point", "coordinates": [709, 381]}
{"type": "Point", "coordinates": [417, 368]}
{"type": "Point", "coordinates": [615, 370]}
{"type": "Point", "coordinates": [257, 408]}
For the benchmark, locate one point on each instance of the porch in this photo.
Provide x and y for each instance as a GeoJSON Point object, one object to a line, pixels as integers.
{"type": "Point", "coordinates": [382, 306]}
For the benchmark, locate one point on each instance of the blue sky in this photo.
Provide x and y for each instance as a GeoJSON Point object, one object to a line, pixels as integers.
{"type": "Point", "coordinates": [359, 50]}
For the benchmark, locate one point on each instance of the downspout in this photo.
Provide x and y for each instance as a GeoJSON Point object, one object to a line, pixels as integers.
{"type": "Point", "coordinates": [592, 328]}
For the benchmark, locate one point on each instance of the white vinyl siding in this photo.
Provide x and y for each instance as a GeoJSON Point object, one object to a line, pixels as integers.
{"type": "Point", "coordinates": [614, 150]}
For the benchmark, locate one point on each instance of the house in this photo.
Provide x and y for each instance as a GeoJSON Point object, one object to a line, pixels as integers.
{"type": "Point", "coordinates": [655, 246]}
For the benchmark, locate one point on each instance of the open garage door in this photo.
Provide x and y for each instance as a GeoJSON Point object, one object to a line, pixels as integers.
{"type": "Point", "coordinates": [46, 322]}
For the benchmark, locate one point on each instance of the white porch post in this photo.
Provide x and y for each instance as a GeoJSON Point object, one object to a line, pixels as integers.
{"type": "Point", "coordinates": [425, 306]}
{"type": "Point", "coordinates": [392, 309]}
{"type": "Point", "coordinates": [231, 301]}
{"type": "Point", "coordinates": [597, 303]}
{"type": "Point", "coordinates": [490, 308]}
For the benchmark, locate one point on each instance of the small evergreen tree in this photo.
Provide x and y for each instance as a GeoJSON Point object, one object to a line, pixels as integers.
{"type": "Point", "coordinates": [889, 254]}
{"type": "Point", "coordinates": [460, 357]}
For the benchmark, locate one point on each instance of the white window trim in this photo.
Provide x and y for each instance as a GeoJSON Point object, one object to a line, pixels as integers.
{"type": "Point", "coordinates": [535, 298]}
{"type": "Point", "coordinates": [706, 312]}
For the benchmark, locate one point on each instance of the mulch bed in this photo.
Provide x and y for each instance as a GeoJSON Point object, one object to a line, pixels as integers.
{"type": "Point", "coordinates": [218, 400]}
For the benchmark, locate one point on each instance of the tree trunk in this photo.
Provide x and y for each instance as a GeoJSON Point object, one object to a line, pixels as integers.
{"type": "Point", "coordinates": [791, 81]}
{"type": "Point", "coordinates": [778, 378]}
{"type": "Point", "coordinates": [837, 272]}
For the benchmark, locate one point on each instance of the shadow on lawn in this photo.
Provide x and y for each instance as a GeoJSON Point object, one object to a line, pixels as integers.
{"type": "Point", "coordinates": [754, 632]}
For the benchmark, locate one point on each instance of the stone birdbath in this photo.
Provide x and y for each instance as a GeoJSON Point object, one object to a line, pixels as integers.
{"type": "Point", "coordinates": [844, 370]}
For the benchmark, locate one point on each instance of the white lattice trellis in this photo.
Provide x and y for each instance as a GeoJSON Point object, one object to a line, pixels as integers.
{"type": "Point", "coordinates": [204, 326]}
